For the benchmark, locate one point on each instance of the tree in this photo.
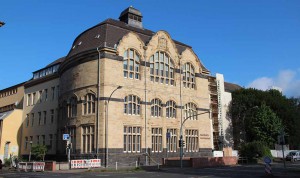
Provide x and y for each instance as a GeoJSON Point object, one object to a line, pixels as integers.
{"type": "Point", "coordinates": [264, 126]}
{"type": "Point", "coordinates": [39, 151]}
{"type": "Point", "coordinates": [242, 109]}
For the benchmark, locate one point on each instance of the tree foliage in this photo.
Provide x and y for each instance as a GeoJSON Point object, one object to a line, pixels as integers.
{"type": "Point", "coordinates": [264, 126]}
{"type": "Point", "coordinates": [265, 110]}
{"type": "Point", "coordinates": [254, 150]}
{"type": "Point", "coordinates": [39, 151]}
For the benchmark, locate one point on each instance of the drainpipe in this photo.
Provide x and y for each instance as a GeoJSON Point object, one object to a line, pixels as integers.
{"type": "Point", "coordinates": [98, 98]}
{"type": "Point", "coordinates": [145, 67]}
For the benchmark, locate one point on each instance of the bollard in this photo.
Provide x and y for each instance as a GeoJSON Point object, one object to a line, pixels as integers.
{"type": "Point", "coordinates": [136, 164]}
{"type": "Point", "coordinates": [116, 166]}
{"type": "Point", "coordinates": [268, 169]}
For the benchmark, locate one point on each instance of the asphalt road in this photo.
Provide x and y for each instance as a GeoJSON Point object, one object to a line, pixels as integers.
{"type": "Point", "coordinates": [244, 171]}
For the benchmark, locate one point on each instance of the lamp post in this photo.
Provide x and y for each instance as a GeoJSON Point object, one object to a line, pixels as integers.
{"type": "Point", "coordinates": [1, 23]}
{"type": "Point", "coordinates": [30, 150]}
{"type": "Point", "coordinates": [181, 139]}
{"type": "Point", "coordinates": [106, 125]}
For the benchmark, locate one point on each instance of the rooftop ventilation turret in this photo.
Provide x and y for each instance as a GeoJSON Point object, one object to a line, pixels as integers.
{"type": "Point", "coordinates": [132, 17]}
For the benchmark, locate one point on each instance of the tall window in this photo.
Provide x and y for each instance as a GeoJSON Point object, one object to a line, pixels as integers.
{"type": "Point", "coordinates": [73, 138]}
{"type": "Point", "coordinates": [188, 76]}
{"type": "Point", "coordinates": [26, 143]}
{"type": "Point", "coordinates": [89, 104]}
{"type": "Point", "coordinates": [172, 141]}
{"type": "Point", "coordinates": [191, 138]}
{"type": "Point", "coordinates": [34, 98]}
{"type": "Point", "coordinates": [40, 96]}
{"type": "Point", "coordinates": [156, 139]}
{"type": "Point", "coordinates": [131, 64]}
{"type": "Point", "coordinates": [52, 116]}
{"type": "Point", "coordinates": [27, 120]}
{"type": "Point", "coordinates": [29, 100]}
{"type": "Point", "coordinates": [88, 139]}
{"type": "Point", "coordinates": [37, 139]}
{"type": "Point", "coordinates": [162, 68]}
{"type": "Point", "coordinates": [50, 141]}
{"type": "Point", "coordinates": [53, 92]}
{"type": "Point", "coordinates": [45, 117]}
{"type": "Point", "coordinates": [132, 105]}
{"type": "Point", "coordinates": [40, 118]}
{"type": "Point", "coordinates": [43, 140]}
{"type": "Point", "coordinates": [32, 119]}
{"type": "Point", "coordinates": [190, 111]}
{"type": "Point", "coordinates": [156, 106]}
{"type": "Point", "coordinates": [132, 139]}
{"type": "Point", "coordinates": [72, 107]}
{"type": "Point", "coordinates": [171, 109]}
{"type": "Point", "coordinates": [46, 94]}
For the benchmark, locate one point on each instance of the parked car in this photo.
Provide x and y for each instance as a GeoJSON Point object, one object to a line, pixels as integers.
{"type": "Point", "coordinates": [293, 156]}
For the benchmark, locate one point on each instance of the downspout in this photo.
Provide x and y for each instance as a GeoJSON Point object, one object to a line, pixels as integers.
{"type": "Point", "coordinates": [145, 68]}
{"type": "Point", "coordinates": [98, 98]}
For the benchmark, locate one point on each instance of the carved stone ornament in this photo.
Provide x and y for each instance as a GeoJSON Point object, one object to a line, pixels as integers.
{"type": "Point", "coordinates": [162, 43]}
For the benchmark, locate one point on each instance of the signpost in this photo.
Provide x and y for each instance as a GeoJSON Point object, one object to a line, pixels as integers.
{"type": "Point", "coordinates": [268, 168]}
{"type": "Point", "coordinates": [68, 147]}
{"type": "Point", "coordinates": [66, 136]}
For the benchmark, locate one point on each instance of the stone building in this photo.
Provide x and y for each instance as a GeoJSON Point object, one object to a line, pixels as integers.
{"type": "Point", "coordinates": [128, 121]}
{"type": "Point", "coordinates": [122, 92]}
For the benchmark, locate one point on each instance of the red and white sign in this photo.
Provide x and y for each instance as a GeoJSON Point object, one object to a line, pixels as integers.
{"type": "Point", "coordinates": [86, 163]}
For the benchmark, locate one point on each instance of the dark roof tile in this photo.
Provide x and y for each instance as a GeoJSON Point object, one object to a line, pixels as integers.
{"type": "Point", "coordinates": [111, 32]}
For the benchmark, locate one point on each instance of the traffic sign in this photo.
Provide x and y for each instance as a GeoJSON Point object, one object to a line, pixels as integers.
{"type": "Point", "coordinates": [267, 160]}
{"type": "Point", "coordinates": [66, 136]}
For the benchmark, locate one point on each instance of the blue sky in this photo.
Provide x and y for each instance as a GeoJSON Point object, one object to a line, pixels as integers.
{"type": "Point", "coordinates": [253, 43]}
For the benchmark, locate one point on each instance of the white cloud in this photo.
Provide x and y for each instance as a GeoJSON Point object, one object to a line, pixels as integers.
{"type": "Point", "coordinates": [261, 83]}
{"type": "Point", "coordinates": [287, 80]}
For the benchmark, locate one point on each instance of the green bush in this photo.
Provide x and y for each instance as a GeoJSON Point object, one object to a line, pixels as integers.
{"type": "Point", "coordinates": [7, 162]}
{"type": "Point", "coordinates": [255, 150]}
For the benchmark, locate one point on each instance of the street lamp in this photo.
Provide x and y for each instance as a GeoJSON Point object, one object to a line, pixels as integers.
{"type": "Point", "coordinates": [106, 126]}
{"type": "Point", "coordinates": [30, 142]}
{"type": "Point", "coordinates": [181, 139]}
{"type": "Point", "coordinates": [1, 23]}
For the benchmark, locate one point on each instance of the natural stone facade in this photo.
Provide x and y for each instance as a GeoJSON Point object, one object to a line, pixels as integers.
{"type": "Point", "coordinates": [79, 77]}
{"type": "Point", "coordinates": [122, 92]}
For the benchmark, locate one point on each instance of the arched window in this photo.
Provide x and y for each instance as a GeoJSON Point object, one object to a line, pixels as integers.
{"type": "Point", "coordinates": [156, 106]}
{"type": "Point", "coordinates": [131, 64]}
{"type": "Point", "coordinates": [132, 105]}
{"type": "Point", "coordinates": [72, 107]}
{"type": "Point", "coordinates": [190, 111]}
{"type": "Point", "coordinates": [188, 76]}
{"type": "Point", "coordinates": [171, 109]}
{"type": "Point", "coordinates": [89, 104]}
{"type": "Point", "coordinates": [162, 68]}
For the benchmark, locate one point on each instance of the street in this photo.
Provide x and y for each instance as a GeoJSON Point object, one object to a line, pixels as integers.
{"type": "Point", "coordinates": [239, 171]}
